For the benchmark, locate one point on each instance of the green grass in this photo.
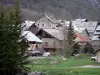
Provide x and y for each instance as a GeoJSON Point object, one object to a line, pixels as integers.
{"type": "Point", "coordinates": [77, 71]}
{"type": "Point", "coordinates": [61, 67]}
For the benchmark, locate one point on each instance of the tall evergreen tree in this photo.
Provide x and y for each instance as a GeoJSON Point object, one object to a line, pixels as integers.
{"type": "Point", "coordinates": [12, 52]}
{"type": "Point", "coordinates": [3, 51]}
{"type": "Point", "coordinates": [70, 39]}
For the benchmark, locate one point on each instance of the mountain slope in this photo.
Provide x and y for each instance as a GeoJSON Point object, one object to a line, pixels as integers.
{"type": "Point", "coordinates": [61, 9]}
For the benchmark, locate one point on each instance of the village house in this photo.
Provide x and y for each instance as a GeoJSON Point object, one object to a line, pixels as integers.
{"type": "Point", "coordinates": [96, 38]}
{"type": "Point", "coordinates": [52, 40]}
{"type": "Point", "coordinates": [46, 22]}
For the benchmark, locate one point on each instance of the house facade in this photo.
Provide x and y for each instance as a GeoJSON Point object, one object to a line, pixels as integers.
{"type": "Point", "coordinates": [52, 40]}
{"type": "Point", "coordinates": [46, 22]}
{"type": "Point", "coordinates": [96, 38]}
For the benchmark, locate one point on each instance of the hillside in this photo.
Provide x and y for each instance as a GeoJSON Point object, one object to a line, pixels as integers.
{"type": "Point", "coordinates": [61, 9]}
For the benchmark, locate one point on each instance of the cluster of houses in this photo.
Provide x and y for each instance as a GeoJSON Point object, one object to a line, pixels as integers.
{"type": "Point", "coordinates": [46, 33]}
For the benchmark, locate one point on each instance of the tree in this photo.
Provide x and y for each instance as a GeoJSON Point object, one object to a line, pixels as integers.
{"type": "Point", "coordinates": [88, 48]}
{"type": "Point", "coordinates": [76, 48]}
{"type": "Point", "coordinates": [70, 39]}
{"type": "Point", "coordinates": [12, 52]}
{"type": "Point", "coordinates": [3, 51]}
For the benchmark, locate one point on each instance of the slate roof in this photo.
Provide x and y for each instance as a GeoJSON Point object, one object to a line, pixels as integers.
{"type": "Point", "coordinates": [27, 24]}
{"type": "Point", "coordinates": [98, 27]}
{"type": "Point", "coordinates": [30, 36]}
{"type": "Point", "coordinates": [96, 34]}
{"type": "Point", "coordinates": [76, 27]}
{"type": "Point", "coordinates": [52, 19]}
{"type": "Point", "coordinates": [55, 33]}
{"type": "Point", "coordinates": [90, 25]}
{"type": "Point", "coordinates": [95, 37]}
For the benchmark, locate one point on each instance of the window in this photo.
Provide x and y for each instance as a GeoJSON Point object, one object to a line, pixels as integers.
{"type": "Point", "coordinates": [38, 24]}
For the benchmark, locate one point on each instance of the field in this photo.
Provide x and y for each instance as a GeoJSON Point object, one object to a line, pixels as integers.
{"type": "Point", "coordinates": [57, 66]}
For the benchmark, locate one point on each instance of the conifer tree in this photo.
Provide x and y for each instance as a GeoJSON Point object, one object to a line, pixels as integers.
{"type": "Point", "coordinates": [12, 51]}
{"type": "Point", "coordinates": [70, 39]}
{"type": "Point", "coordinates": [88, 48]}
{"type": "Point", "coordinates": [3, 51]}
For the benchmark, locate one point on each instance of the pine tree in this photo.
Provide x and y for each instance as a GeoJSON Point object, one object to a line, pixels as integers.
{"type": "Point", "coordinates": [70, 39]}
{"type": "Point", "coordinates": [76, 48]}
{"type": "Point", "coordinates": [12, 52]}
{"type": "Point", "coordinates": [88, 48]}
{"type": "Point", "coordinates": [3, 51]}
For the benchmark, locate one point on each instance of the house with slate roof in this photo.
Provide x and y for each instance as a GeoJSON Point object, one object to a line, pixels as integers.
{"type": "Point", "coordinates": [52, 40]}
{"type": "Point", "coordinates": [46, 22]}
{"type": "Point", "coordinates": [85, 24]}
{"type": "Point", "coordinates": [96, 38]}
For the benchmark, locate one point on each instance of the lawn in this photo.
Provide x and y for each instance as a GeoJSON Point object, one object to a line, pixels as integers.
{"type": "Point", "coordinates": [56, 66]}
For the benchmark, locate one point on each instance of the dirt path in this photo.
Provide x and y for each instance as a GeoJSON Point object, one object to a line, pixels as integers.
{"type": "Point", "coordinates": [87, 66]}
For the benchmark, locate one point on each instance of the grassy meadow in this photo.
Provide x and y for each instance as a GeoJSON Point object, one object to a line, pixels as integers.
{"type": "Point", "coordinates": [57, 66]}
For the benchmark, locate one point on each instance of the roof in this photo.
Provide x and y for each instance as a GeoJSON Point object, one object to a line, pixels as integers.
{"type": "Point", "coordinates": [77, 29]}
{"type": "Point", "coordinates": [30, 36]}
{"type": "Point", "coordinates": [52, 19]}
{"type": "Point", "coordinates": [81, 20]}
{"type": "Point", "coordinates": [95, 37]}
{"type": "Point", "coordinates": [27, 24]}
{"type": "Point", "coordinates": [90, 26]}
{"type": "Point", "coordinates": [81, 38]}
{"type": "Point", "coordinates": [55, 33]}
{"type": "Point", "coordinates": [98, 28]}
{"type": "Point", "coordinates": [96, 34]}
